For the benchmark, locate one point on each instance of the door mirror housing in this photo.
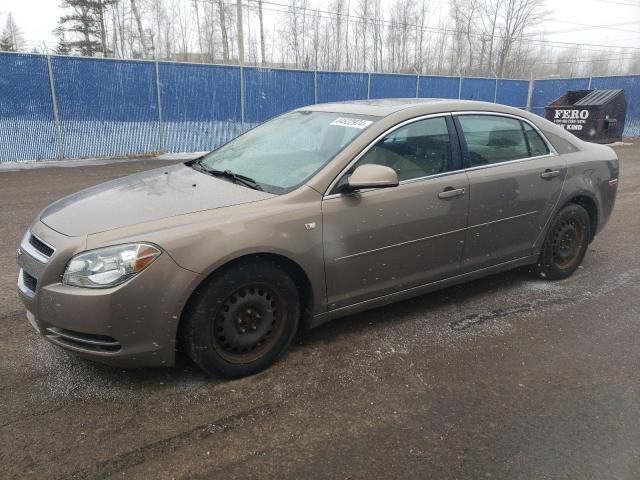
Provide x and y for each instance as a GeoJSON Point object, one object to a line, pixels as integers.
{"type": "Point", "coordinates": [371, 176]}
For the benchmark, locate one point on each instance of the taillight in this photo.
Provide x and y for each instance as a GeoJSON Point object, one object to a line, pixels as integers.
{"type": "Point", "coordinates": [613, 183]}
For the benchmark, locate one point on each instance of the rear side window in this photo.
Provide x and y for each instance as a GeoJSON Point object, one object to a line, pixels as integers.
{"type": "Point", "coordinates": [493, 139]}
{"type": "Point", "coordinates": [537, 146]}
{"type": "Point", "coordinates": [417, 150]}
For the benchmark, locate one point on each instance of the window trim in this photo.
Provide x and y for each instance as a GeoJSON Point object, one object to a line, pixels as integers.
{"type": "Point", "coordinates": [456, 152]}
{"type": "Point", "coordinates": [459, 148]}
{"type": "Point", "coordinates": [463, 141]}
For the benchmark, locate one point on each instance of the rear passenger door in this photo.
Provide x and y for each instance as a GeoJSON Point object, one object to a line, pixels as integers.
{"type": "Point", "coordinates": [515, 180]}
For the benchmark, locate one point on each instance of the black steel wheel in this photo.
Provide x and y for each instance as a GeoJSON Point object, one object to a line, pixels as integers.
{"type": "Point", "coordinates": [242, 319]}
{"type": "Point", "coordinates": [249, 323]}
{"type": "Point", "coordinates": [566, 243]}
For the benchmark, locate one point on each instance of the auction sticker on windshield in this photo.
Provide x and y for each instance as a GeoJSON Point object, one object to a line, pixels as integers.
{"type": "Point", "coordinates": [351, 122]}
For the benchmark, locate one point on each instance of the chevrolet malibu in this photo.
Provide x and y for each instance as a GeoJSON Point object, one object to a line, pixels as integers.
{"type": "Point", "coordinates": [318, 213]}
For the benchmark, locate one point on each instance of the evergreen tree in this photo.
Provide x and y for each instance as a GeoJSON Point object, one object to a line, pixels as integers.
{"type": "Point", "coordinates": [6, 45]}
{"type": "Point", "coordinates": [63, 47]}
{"type": "Point", "coordinates": [11, 38]}
{"type": "Point", "coordinates": [86, 22]}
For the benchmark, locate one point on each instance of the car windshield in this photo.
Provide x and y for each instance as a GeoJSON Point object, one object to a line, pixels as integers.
{"type": "Point", "coordinates": [285, 152]}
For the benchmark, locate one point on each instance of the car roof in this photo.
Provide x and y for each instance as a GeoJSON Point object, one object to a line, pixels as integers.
{"type": "Point", "coordinates": [394, 110]}
{"type": "Point", "coordinates": [377, 107]}
{"type": "Point", "coordinates": [424, 106]}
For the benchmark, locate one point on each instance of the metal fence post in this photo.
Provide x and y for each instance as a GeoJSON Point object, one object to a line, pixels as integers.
{"type": "Point", "coordinates": [495, 92]}
{"type": "Point", "coordinates": [417, 84]}
{"type": "Point", "coordinates": [369, 86]}
{"type": "Point", "coordinates": [315, 86]}
{"type": "Point", "coordinates": [160, 119]}
{"type": "Point", "coordinates": [530, 93]}
{"type": "Point", "coordinates": [459, 88]}
{"type": "Point", "coordinates": [54, 105]}
{"type": "Point", "coordinates": [241, 96]}
{"type": "Point", "coordinates": [590, 80]}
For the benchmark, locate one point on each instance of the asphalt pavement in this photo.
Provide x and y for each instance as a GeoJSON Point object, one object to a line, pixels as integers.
{"type": "Point", "coordinates": [509, 377]}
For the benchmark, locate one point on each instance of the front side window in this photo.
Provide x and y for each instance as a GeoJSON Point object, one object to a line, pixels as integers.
{"type": "Point", "coordinates": [493, 139]}
{"type": "Point", "coordinates": [285, 152]}
{"type": "Point", "coordinates": [416, 150]}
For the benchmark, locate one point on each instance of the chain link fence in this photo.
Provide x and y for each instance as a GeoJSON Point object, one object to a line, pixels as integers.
{"type": "Point", "coordinates": [54, 107]}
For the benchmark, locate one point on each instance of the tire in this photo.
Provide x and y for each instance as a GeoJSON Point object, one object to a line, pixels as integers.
{"type": "Point", "coordinates": [565, 244]}
{"type": "Point", "coordinates": [242, 319]}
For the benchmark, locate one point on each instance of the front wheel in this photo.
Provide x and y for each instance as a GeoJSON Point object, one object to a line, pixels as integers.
{"type": "Point", "coordinates": [242, 319]}
{"type": "Point", "coordinates": [566, 243]}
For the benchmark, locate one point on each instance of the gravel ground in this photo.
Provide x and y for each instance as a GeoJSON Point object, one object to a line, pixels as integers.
{"type": "Point", "coordinates": [509, 377]}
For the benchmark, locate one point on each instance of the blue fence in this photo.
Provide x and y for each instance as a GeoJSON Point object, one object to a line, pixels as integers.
{"type": "Point", "coordinates": [67, 107]}
{"type": "Point", "coordinates": [200, 106]}
{"type": "Point", "coordinates": [27, 127]}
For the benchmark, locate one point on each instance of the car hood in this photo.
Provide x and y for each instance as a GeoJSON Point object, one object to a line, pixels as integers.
{"type": "Point", "coordinates": [144, 197]}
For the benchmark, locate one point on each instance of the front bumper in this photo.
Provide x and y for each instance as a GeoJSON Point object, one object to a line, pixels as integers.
{"type": "Point", "coordinates": [130, 325]}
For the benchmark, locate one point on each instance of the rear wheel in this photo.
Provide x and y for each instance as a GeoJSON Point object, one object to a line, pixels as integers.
{"type": "Point", "coordinates": [242, 319]}
{"type": "Point", "coordinates": [566, 243]}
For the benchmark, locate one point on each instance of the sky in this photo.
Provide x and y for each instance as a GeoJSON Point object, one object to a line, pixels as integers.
{"type": "Point", "coordinates": [37, 19]}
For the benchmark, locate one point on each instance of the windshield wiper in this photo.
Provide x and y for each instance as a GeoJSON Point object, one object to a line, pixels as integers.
{"type": "Point", "coordinates": [234, 177]}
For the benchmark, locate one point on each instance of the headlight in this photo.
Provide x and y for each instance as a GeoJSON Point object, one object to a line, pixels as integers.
{"type": "Point", "coordinates": [110, 266]}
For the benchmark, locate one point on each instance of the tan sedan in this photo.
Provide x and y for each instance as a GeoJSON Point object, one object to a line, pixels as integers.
{"type": "Point", "coordinates": [321, 212]}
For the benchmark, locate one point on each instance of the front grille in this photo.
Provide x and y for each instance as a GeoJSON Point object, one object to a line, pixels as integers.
{"type": "Point", "coordinates": [86, 341]}
{"type": "Point", "coordinates": [40, 246]}
{"type": "Point", "coordinates": [29, 281]}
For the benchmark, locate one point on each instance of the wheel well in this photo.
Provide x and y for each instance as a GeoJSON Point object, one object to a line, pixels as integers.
{"type": "Point", "coordinates": [590, 206]}
{"type": "Point", "coordinates": [297, 274]}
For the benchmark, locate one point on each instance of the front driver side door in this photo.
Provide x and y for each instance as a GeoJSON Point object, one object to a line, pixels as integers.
{"type": "Point", "coordinates": [381, 241]}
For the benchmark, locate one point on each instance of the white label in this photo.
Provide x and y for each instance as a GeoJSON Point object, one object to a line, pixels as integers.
{"type": "Point", "coordinates": [351, 122]}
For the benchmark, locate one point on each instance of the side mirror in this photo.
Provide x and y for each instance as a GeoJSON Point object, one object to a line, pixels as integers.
{"type": "Point", "coordinates": [371, 176]}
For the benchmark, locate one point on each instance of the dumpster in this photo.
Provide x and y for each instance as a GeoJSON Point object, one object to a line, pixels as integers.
{"type": "Point", "coordinates": [592, 115]}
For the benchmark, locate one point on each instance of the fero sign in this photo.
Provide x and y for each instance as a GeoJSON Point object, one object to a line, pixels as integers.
{"type": "Point", "coordinates": [571, 119]}
{"type": "Point", "coordinates": [592, 115]}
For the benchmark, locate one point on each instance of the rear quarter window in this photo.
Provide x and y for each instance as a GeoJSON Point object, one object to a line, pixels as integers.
{"type": "Point", "coordinates": [537, 145]}
{"type": "Point", "coordinates": [561, 145]}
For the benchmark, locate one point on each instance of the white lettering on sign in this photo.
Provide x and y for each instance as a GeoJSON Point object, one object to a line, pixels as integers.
{"type": "Point", "coordinates": [351, 122]}
{"type": "Point", "coordinates": [571, 119]}
{"type": "Point", "coordinates": [571, 114]}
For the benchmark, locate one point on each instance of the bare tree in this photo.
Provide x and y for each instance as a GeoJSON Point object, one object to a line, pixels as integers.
{"type": "Point", "coordinates": [464, 37]}
{"type": "Point", "coordinates": [223, 30]}
{"type": "Point", "coordinates": [517, 16]}
{"type": "Point", "coordinates": [263, 58]}
{"type": "Point", "coordinates": [199, 30]}
{"type": "Point", "coordinates": [240, 31]}
{"type": "Point", "coordinates": [143, 41]}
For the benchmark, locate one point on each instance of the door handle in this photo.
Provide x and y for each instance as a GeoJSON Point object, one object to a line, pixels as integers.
{"type": "Point", "coordinates": [450, 192]}
{"type": "Point", "coordinates": [548, 174]}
